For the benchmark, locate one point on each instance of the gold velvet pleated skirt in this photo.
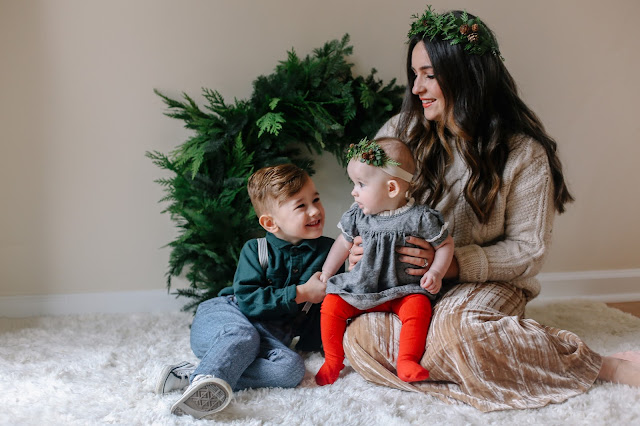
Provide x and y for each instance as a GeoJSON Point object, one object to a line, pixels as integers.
{"type": "Point", "coordinates": [480, 350]}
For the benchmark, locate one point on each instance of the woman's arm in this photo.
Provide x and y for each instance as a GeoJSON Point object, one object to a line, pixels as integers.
{"type": "Point", "coordinates": [527, 212]}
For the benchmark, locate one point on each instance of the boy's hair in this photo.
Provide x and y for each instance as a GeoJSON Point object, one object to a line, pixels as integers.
{"type": "Point", "coordinates": [398, 151]}
{"type": "Point", "coordinates": [273, 185]}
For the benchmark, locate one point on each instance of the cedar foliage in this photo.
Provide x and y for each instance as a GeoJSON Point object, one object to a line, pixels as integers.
{"type": "Point", "coordinates": [314, 102]}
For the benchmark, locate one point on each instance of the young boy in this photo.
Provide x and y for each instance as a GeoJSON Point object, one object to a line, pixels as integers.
{"type": "Point", "coordinates": [242, 337]}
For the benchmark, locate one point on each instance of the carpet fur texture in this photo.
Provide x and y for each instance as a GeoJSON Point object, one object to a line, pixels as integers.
{"type": "Point", "coordinates": [102, 369]}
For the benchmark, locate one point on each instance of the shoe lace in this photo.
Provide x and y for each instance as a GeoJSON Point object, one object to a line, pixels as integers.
{"type": "Point", "coordinates": [201, 377]}
{"type": "Point", "coordinates": [183, 372]}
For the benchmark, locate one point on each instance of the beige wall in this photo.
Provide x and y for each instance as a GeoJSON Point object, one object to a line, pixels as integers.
{"type": "Point", "coordinates": [77, 113]}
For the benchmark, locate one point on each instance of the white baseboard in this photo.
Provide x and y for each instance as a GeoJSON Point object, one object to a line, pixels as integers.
{"type": "Point", "coordinates": [619, 285]}
{"type": "Point", "coordinates": [622, 285]}
{"type": "Point", "coordinates": [86, 303]}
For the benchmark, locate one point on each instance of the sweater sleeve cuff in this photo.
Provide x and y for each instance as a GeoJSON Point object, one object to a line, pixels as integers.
{"type": "Point", "coordinates": [473, 264]}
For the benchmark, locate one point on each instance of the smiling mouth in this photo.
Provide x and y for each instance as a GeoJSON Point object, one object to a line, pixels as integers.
{"type": "Point", "coordinates": [314, 223]}
{"type": "Point", "coordinates": [427, 102]}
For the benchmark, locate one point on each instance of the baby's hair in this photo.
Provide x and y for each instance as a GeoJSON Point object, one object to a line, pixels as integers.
{"type": "Point", "coordinates": [273, 185]}
{"type": "Point", "coordinates": [398, 151]}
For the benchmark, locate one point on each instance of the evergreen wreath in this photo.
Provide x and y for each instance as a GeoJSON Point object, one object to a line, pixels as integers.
{"type": "Point", "coordinates": [314, 103]}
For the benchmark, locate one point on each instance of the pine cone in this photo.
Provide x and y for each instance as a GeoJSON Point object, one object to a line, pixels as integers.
{"type": "Point", "coordinates": [464, 29]}
{"type": "Point", "coordinates": [475, 28]}
{"type": "Point", "coordinates": [473, 38]}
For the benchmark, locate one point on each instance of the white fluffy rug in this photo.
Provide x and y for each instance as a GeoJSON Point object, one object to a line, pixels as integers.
{"type": "Point", "coordinates": [101, 369]}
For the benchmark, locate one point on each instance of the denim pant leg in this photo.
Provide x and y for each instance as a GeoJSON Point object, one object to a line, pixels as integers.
{"type": "Point", "coordinates": [276, 365]}
{"type": "Point", "coordinates": [224, 339]}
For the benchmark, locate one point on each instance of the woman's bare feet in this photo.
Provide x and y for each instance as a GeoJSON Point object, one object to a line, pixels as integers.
{"type": "Point", "coordinates": [629, 356]}
{"type": "Point", "coordinates": [623, 367]}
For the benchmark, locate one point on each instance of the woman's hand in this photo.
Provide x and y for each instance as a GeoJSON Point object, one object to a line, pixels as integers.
{"type": "Point", "coordinates": [416, 256]}
{"type": "Point", "coordinates": [355, 253]}
{"type": "Point", "coordinates": [420, 257]}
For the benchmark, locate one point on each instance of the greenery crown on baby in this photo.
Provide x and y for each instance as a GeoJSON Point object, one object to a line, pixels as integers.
{"type": "Point", "coordinates": [471, 33]}
{"type": "Point", "coordinates": [371, 153]}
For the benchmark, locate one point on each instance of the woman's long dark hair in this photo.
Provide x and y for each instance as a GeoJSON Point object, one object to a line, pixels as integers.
{"type": "Point", "coordinates": [483, 111]}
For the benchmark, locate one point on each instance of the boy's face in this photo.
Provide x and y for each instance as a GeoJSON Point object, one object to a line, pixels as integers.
{"type": "Point", "coordinates": [298, 218]}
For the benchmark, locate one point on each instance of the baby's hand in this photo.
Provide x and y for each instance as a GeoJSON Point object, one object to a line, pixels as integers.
{"type": "Point", "coordinates": [324, 277]}
{"type": "Point", "coordinates": [431, 282]}
{"type": "Point", "coordinates": [312, 291]}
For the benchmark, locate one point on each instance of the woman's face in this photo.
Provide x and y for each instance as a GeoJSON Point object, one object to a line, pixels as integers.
{"type": "Point", "coordinates": [426, 86]}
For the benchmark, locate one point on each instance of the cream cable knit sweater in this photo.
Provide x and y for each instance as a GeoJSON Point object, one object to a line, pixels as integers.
{"type": "Point", "coordinates": [511, 247]}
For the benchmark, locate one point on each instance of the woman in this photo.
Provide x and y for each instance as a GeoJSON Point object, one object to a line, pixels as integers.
{"type": "Point", "coordinates": [486, 162]}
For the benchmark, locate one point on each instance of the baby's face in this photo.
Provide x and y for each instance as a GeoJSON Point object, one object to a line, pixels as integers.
{"type": "Point", "coordinates": [370, 187]}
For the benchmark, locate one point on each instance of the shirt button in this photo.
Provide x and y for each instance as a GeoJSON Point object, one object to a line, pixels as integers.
{"type": "Point", "coordinates": [295, 270]}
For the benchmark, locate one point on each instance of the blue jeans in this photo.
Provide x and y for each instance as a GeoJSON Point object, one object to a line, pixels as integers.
{"type": "Point", "coordinates": [244, 353]}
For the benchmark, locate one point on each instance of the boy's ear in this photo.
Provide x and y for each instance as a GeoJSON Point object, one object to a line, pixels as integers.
{"type": "Point", "coordinates": [267, 222]}
{"type": "Point", "coordinates": [393, 188]}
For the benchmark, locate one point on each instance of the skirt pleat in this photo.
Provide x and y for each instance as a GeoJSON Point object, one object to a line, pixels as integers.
{"type": "Point", "coordinates": [481, 351]}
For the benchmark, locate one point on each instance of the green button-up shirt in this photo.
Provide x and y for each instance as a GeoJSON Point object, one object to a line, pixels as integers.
{"type": "Point", "coordinates": [270, 294]}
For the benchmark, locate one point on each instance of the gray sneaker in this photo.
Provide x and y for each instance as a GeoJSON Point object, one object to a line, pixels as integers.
{"type": "Point", "coordinates": [174, 377]}
{"type": "Point", "coordinates": [205, 395]}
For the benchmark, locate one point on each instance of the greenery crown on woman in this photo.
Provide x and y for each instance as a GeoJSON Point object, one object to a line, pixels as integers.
{"type": "Point", "coordinates": [465, 30]}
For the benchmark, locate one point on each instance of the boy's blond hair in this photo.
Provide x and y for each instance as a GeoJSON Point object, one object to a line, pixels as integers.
{"type": "Point", "coordinates": [273, 185]}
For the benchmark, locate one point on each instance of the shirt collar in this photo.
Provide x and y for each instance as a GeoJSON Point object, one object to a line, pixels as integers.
{"type": "Point", "coordinates": [286, 245]}
{"type": "Point", "coordinates": [402, 209]}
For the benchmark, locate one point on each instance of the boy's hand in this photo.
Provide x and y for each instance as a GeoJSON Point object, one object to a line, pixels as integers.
{"type": "Point", "coordinates": [312, 291]}
{"type": "Point", "coordinates": [431, 282]}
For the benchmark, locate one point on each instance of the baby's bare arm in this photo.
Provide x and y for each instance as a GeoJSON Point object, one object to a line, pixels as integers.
{"type": "Point", "coordinates": [442, 258]}
{"type": "Point", "coordinates": [336, 257]}
{"type": "Point", "coordinates": [432, 279]}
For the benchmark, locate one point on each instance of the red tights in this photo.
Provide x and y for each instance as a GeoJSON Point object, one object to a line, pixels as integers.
{"type": "Point", "coordinates": [413, 310]}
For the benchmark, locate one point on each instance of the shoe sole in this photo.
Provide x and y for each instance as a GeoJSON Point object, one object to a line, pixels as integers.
{"type": "Point", "coordinates": [164, 376]}
{"type": "Point", "coordinates": [209, 397]}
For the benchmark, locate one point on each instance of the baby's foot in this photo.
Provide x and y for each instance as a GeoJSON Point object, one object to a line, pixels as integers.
{"type": "Point", "coordinates": [328, 374]}
{"type": "Point", "coordinates": [411, 371]}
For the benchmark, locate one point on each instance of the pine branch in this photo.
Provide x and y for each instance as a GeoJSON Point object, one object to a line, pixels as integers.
{"type": "Point", "coordinates": [313, 102]}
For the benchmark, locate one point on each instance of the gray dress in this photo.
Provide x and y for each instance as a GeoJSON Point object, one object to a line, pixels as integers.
{"type": "Point", "coordinates": [379, 277]}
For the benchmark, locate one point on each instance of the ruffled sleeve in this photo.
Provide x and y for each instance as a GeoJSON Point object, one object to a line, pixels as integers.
{"type": "Point", "coordinates": [349, 221]}
{"type": "Point", "coordinates": [433, 227]}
